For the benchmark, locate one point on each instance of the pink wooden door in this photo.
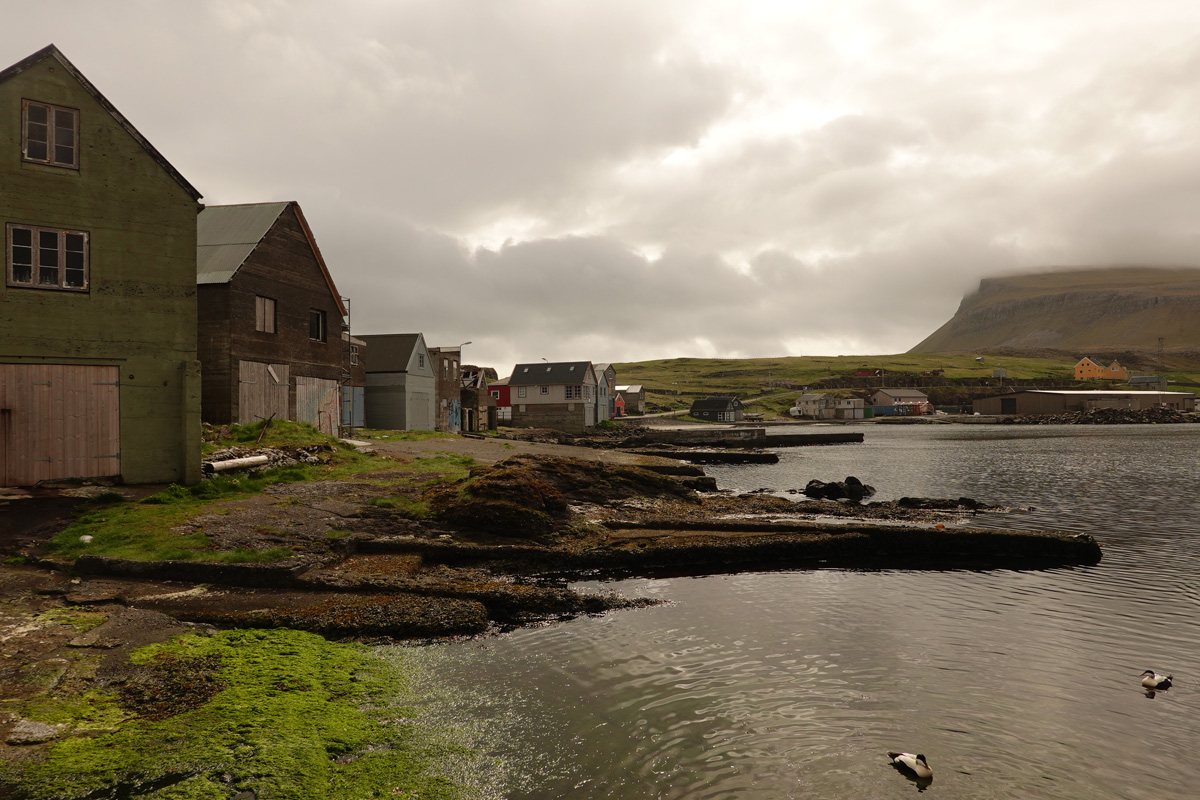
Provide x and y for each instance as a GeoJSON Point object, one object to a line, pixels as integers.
{"type": "Point", "coordinates": [58, 421]}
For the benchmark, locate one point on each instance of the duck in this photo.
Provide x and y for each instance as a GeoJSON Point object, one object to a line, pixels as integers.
{"type": "Point", "coordinates": [912, 765]}
{"type": "Point", "coordinates": [1152, 680]}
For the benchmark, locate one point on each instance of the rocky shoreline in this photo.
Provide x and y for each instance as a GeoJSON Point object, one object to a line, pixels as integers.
{"type": "Point", "coordinates": [496, 550]}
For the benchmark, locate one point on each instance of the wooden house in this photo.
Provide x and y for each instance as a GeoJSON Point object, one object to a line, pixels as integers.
{"type": "Point", "coordinates": [98, 369]}
{"type": "Point", "coordinates": [718, 409]}
{"type": "Point", "coordinates": [271, 318]}
{"type": "Point", "coordinates": [401, 385]}
{"type": "Point", "coordinates": [1088, 370]}
{"type": "Point", "coordinates": [558, 395]}
{"type": "Point", "coordinates": [634, 395]}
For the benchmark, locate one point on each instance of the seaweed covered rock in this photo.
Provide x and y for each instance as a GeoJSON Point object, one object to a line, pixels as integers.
{"type": "Point", "coordinates": [530, 495]}
{"type": "Point", "coordinates": [850, 489]}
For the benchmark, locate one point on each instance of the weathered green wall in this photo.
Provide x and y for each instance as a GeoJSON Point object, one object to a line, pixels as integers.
{"type": "Point", "coordinates": [140, 311]}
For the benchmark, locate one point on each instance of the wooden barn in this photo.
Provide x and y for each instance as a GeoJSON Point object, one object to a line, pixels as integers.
{"type": "Point", "coordinates": [270, 318]}
{"type": "Point", "coordinates": [98, 370]}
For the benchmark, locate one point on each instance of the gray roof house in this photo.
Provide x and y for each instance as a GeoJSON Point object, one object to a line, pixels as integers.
{"type": "Point", "coordinates": [718, 409]}
{"type": "Point", "coordinates": [401, 384]}
{"type": "Point", "coordinates": [559, 395]}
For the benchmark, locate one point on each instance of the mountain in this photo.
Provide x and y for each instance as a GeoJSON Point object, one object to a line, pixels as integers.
{"type": "Point", "coordinates": [1080, 310]}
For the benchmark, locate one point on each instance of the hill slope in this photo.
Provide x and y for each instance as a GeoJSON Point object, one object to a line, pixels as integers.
{"type": "Point", "coordinates": [1115, 308]}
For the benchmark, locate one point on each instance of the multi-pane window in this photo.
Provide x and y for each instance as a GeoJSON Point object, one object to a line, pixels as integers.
{"type": "Point", "coordinates": [264, 314]}
{"type": "Point", "coordinates": [545, 389]}
{"type": "Point", "coordinates": [50, 134]}
{"type": "Point", "coordinates": [521, 391]}
{"type": "Point", "coordinates": [353, 354]}
{"type": "Point", "coordinates": [316, 325]}
{"type": "Point", "coordinates": [574, 392]}
{"type": "Point", "coordinates": [47, 258]}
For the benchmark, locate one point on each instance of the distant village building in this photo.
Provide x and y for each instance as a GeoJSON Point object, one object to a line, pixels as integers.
{"type": "Point", "coordinates": [448, 391]}
{"type": "Point", "coordinates": [718, 409]}
{"type": "Point", "coordinates": [606, 391]}
{"type": "Point", "coordinates": [634, 396]}
{"type": "Point", "coordinates": [1051, 401]}
{"type": "Point", "coordinates": [1088, 370]}
{"type": "Point", "coordinates": [900, 403]}
{"type": "Point", "coordinates": [478, 403]}
{"type": "Point", "coordinates": [401, 385]}
{"type": "Point", "coordinates": [99, 375]}
{"type": "Point", "coordinates": [354, 382]}
{"type": "Point", "coordinates": [558, 395]}
{"type": "Point", "coordinates": [813, 405]}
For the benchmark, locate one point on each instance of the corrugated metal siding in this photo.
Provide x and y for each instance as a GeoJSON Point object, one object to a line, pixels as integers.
{"type": "Point", "coordinates": [319, 403]}
{"type": "Point", "coordinates": [262, 391]}
{"type": "Point", "coordinates": [59, 421]}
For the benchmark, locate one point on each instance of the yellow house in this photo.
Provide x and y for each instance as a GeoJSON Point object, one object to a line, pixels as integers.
{"type": "Point", "coordinates": [1088, 370]}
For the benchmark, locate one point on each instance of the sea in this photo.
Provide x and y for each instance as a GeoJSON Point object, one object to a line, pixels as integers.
{"type": "Point", "coordinates": [795, 683]}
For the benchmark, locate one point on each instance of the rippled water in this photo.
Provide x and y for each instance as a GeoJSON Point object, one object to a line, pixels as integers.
{"type": "Point", "coordinates": [793, 684]}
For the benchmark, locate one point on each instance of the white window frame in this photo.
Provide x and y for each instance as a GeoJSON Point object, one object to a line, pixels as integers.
{"type": "Point", "coordinates": [38, 251]}
{"type": "Point", "coordinates": [521, 391]}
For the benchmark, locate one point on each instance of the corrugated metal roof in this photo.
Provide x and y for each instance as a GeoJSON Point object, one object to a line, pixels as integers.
{"type": "Point", "coordinates": [227, 235]}
{"type": "Point", "coordinates": [545, 373]}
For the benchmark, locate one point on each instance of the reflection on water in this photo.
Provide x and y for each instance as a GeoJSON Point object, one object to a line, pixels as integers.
{"type": "Point", "coordinates": [795, 684]}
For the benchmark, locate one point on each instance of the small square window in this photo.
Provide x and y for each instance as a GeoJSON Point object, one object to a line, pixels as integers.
{"type": "Point", "coordinates": [317, 330]}
{"type": "Point", "coordinates": [545, 389]}
{"type": "Point", "coordinates": [49, 134]}
{"type": "Point", "coordinates": [264, 314]}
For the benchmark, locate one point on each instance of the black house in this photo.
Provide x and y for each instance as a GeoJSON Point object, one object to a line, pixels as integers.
{"type": "Point", "coordinates": [718, 409]}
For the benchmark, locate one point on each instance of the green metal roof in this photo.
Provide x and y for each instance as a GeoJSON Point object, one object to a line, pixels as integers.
{"type": "Point", "coordinates": [227, 235]}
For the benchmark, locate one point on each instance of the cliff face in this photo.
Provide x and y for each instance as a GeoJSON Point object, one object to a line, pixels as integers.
{"type": "Point", "coordinates": [1112, 308]}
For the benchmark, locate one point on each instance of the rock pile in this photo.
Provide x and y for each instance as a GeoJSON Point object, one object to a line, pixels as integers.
{"type": "Point", "coordinates": [1108, 416]}
{"type": "Point", "coordinates": [850, 489]}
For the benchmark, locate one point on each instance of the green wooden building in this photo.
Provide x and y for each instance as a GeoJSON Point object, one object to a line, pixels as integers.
{"type": "Point", "coordinates": [98, 369]}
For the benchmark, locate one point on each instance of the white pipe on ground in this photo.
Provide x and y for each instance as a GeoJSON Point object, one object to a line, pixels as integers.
{"type": "Point", "coordinates": [238, 463]}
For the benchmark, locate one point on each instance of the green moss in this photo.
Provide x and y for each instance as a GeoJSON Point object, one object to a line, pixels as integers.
{"type": "Point", "coordinates": [298, 717]}
{"type": "Point", "coordinates": [405, 507]}
{"type": "Point", "coordinates": [74, 618]}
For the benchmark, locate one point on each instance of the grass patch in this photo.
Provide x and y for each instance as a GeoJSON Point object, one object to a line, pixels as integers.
{"type": "Point", "coordinates": [405, 507]}
{"type": "Point", "coordinates": [283, 714]}
{"type": "Point", "coordinates": [73, 618]}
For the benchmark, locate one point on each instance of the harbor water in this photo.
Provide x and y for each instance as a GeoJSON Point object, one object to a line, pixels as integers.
{"type": "Point", "coordinates": [794, 683]}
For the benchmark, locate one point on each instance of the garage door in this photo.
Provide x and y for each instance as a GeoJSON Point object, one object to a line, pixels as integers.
{"type": "Point", "coordinates": [318, 402]}
{"type": "Point", "coordinates": [262, 391]}
{"type": "Point", "coordinates": [58, 421]}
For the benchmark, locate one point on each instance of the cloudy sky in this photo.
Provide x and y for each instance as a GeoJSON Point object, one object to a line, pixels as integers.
{"type": "Point", "coordinates": [620, 181]}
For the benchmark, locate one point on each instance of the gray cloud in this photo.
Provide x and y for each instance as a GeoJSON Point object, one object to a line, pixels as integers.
{"type": "Point", "coordinates": [626, 180]}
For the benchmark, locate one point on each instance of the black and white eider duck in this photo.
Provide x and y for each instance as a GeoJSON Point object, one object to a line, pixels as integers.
{"type": "Point", "coordinates": [912, 765]}
{"type": "Point", "coordinates": [1152, 680]}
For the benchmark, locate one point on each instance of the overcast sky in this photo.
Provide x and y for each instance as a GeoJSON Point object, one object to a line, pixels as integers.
{"type": "Point", "coordinates": [620, 181]}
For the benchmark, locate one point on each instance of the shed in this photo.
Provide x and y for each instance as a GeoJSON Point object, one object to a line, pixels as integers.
{"type": "Point", "coordinates": [401, 386]}
{"type": "Point", "coordinates": [718, 409]}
